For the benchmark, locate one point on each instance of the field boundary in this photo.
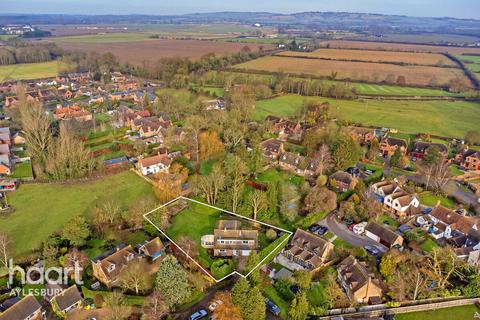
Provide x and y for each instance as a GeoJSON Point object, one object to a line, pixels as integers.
{"type": "Point", "coordinates": [229, 212]}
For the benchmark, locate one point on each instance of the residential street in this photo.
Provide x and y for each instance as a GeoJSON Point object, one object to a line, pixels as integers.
{"type": "Point", "coordinates": [340, 230]}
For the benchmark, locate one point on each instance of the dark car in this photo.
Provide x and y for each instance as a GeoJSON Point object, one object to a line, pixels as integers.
{"type": "Point", "coordinates": [427, 210]}
{"type": "Point", "coordinates": [314, 227]}
{"type": "Point", "coordinates": [372, 250]}
{"type": "Point", "coordinates": [272, 307]}
{"type": "Point", "coordinates": [353, 171]}
{"type": "Point", "coordinates": [322, 230]}
{"type": "Point", "coordinates": [202, 313]}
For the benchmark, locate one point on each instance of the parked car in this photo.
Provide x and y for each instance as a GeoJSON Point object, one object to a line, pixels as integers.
{"type": "Point", "coordinates": [314, 227]}
{"type": "Point", "coordinates": [322, 230]}
{"type": "Point", "coordinates": [350, 227]}
{"type": "Point", "coordinates": [200, 314]}
{"type": "Point", "coordinates": [426, 210]}
{"type": "Point", "coordinates": [214, 305]}
{"type": "Point", "coordinates": [372, 250]}
{"type": "Point", "coordinates": [368, 172]}
{"type": "Point", "coordinates": [359, 228]}
{"type": "Point", "coordinates": [272, 307]}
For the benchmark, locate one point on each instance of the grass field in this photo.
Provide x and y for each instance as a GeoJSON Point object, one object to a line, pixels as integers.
{"type": "Point", "coordinates": [345, 44]}
{"type": "Point", "coordinates": [430, 59]}
{"type": "Point", "coordinates": [361, 71]}
{"type": "Point", "coordinates": [42, 209]}
{"type": "Point", "coordinates": [429, 199]}
{"type": "Point", "coordinates": [463, 312]}
{"type": "Point", "coordinates": [28, 71]}
{"type": "Point", "coordinates": [471, 62]}
{"type": "Point", "coordinates": [445, 118]}
{"type": "Point", "coordinates": [104, 38]}
{"type": "Point", "coordinates": [23, 170]}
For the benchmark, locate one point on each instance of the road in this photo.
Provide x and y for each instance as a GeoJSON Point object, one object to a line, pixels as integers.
{"type": "Point", "coordinates": [341, 231]}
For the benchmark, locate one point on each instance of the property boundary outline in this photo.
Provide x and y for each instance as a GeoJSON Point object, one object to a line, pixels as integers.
{"type": "Point", "coordinates": [229, 212]}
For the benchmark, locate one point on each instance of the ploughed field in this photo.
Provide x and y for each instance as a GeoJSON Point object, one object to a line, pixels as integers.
{"type": "Point", "coordinates": [428, 59]}
{"type": "Point", "coordinates": [136, 52]}
{"type": "Point", "coordinates": [355, 71]}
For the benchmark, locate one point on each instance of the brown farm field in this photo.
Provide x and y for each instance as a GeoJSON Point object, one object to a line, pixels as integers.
{"type": "Point", "coordinates": [365, 45]}
{"type": "Point", "coordinates": [429, 59]}
{"type": "Point", "coordinates": [151, 50]}
{"type": "Point", "coordinates": [356, 71]}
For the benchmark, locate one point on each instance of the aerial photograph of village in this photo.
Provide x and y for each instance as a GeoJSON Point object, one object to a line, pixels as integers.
{"type": "Point", "coordinates": [221, 160]}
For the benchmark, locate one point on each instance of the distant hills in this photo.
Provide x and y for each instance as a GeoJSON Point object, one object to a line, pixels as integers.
{"type": "Point", "coordinates": [312, 21]}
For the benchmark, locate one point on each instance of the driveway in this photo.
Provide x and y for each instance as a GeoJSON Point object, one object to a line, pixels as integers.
{"type": "Point", "coordinates": [341, 231]}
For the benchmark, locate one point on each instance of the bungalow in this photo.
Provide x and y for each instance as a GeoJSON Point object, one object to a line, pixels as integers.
{"type": "Point", "coordinates": [26, 309]}
{"type": "Point", "coordinates": [107, 268]}
{"type": "Point", "coordinates": [359, 284]}
{"type": "Point", "coordinates": [67, 301]}
{"type": "Point", "coordinates": [420, 149]}
{"type": "Point", "coordinates": [308, 250]}
{"type": "Point", "coordinates": [342, 181]}
{"type": "Point", "coordinates": [389, 145]}
{"type": "Point", "coordinates": [152, 249]}
{"type": "Point", "coordinates": [154, 164]}
{"type": "Point", "coordinates": [272, 148]}
{"type": "Point", "coordinates": [117, 163]}
{"type": "Point", "coordinates": [383, 235]}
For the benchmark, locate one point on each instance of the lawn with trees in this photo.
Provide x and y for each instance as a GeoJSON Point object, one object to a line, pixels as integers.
{"type": "Point", "coordinates": [42, 209]}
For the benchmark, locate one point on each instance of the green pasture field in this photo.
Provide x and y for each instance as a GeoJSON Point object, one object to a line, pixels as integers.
{"type": "Point", "coordinates": [29, 71]}
{"type": "Point", "coordinates": [444, 118]}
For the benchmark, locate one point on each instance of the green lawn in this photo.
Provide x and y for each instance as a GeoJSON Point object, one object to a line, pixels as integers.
{"type": "Point", "coordinates": [23, 170]}
{"type": "Point", "coordinates": [42, 209]}
{"type": "Point", "coordinates": [429, 199]}
{"type": "Point", "coordinates": [463, 313]}
{"type": "Point", "coordinates": [28, 71]}
{"type": "Point", "coordinates": [446, 118]}
{"type": "Point", "coordinates": [182, 96]}
{"type": "Point", "coordinates": [428, 245]}
{"type": "Point", "coordinates": [211, 91]}
{"type": "Point", "coordinates": [194, 222]}
{"type": "Point", "coordinates": [455, 171]}
{"type": "Point", "coordinates": [130, 300]}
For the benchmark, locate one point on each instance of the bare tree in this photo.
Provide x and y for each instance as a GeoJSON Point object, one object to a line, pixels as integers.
{"type": "Point", "coordinates": [211, 184]}
{"type": "Point", "coordinates": [323, 159]}
{"type": "Point", "coordinates": [442, 264]}
{"type": "Point", "coordinates": [258, 200]}
{"type": "Point", "coordinates": [134, 278]}
{"type": "Point", "coordinates": [154, 307]}
{"type": "Point", "coordinates": [194, 126]}
{"type": "Point", "coordinates": [76, 257]}
{"type": "Point", "coordinates": [5, 245]}
{"type": "Point", "coordinates": [117, 308]}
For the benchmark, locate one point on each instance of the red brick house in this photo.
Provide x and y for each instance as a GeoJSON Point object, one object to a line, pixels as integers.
{"type": "Point", "coordinates": [389, 145]}
{"type": "Point", "coordinates": [420, 149]}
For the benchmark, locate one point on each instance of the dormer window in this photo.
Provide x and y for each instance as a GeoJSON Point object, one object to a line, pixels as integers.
{"type": "Point", "coordinates": [130, 257]}
{"type": "Point", "coordinates": [111, 267]}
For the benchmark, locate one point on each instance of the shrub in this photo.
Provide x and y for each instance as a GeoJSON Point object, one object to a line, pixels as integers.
{"type": "Point", "coordinates": [283, 288]}
{"type": "Point", "coordinates": [221, 268]}
{"type": "Point", "coordinates": [271, 234]}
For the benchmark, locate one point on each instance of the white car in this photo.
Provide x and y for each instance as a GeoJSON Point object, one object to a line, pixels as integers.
{"type": "Point", "coordinates": [360, 228]}
{"type": "Point", "coordinates": [214, 305]}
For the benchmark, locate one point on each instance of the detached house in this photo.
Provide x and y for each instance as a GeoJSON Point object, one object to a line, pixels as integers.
{"type": "Point", "coordinates": [402, 204]}
{"type": "Point", "coordinates": [230, 239]}
{"type": "Point", "coordinates": [155, 164]}
{"type": "Point", "coordinates": [67, 301]}
{"type": "Point", "coordinates": [389, 145]}
{"type": "Point", "coordinates": [308, 250]}
{"type": "Point", "coordinates": [152, 249]}
{"type": "Point", "coordinates": [342, 181]}
{"type": "Point", "coordinates": [26, 309]}
{"type": "Point", "coordinates": [272, 148]}
{"type": "Point", "coordinates": [469, 159]}
{"type": "Point", "coordinates": [448, 224]}
{"type": "Point", "coordinates": [107, 268]}
{"type": "Point", "coordinates": [359, 284]}
{"type": "Point", "coordinates": [420, 149]}
{"type": "Point", "coordinates": [383, 235]}
{"type": "Point", "coordinates": [285, 129]}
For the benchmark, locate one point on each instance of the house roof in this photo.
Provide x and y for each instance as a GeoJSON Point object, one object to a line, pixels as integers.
{"type": "Point", "coordinates": [309, 247]}
{"type": "Point", "coordinates": [394, 142]}
{"type": "Point", "coordinates": [117, 258]}
{"type": "Point", "coordinates": [454, 220]}
{"type": "Point", "coordinates": [152, 247]}
{"type": "Point", "coordinates": [342, 176]}
{"type": "Point", "coordinates": [155, 160]}
{"type": "Point", "coordinates": [68, 298]}
{"type": "Point", "coordinates": [355, 273]}
{"type": "Point", "coordinates": [382, 232]}
{"type": "Point", "coordinates": [22, 309]}
{"type": "Point", "coordinates": [272, 145]}
{"type": "Point", "coordinates": [422, 147]}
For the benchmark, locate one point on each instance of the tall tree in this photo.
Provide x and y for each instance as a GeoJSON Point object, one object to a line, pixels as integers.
{"type": "Point", "coordinates": [134, 278]}
{"type": "Point", "coordinates": [251, 265]}
{"type": "Point", "coordinates": [211, 147]}
{"type": "Point", "coordinates": [211, 184]}
{"type": "Point", "coordinates": [117, 308]}
{"type": "Point", "coordinates": [289, 201]}
{"type": "Point", "coordinates": [172, 281]}
{"type": "Point", "coordinates": [194, 125]}
{"type": "Point", "coordinates": [76, 231]}
{"type": "Point", "coordinates": [299, 307]}
{"type": "Point", "coordinates": [323, 159]}
{"type": "Point", "coordinates": [5, 245]}
{"type": "Point", "coordinates": [236, 170]}
{"type": "Point", "coordinates": [154, 308]}
{"type": "Point", "coordinates": [226, 310]}
{"type": "Point", "coordinates": [258, 201]}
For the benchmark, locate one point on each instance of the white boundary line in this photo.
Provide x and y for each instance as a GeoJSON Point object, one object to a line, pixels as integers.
{"type": "Point", "coordinates": [229, 212]}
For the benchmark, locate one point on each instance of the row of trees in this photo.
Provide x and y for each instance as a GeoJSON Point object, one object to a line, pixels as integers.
{"type": "Point", "coordinates": [15, 52]}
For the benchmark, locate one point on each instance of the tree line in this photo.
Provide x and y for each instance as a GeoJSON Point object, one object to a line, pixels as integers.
{"type": "Point", "coordinates": [21, 52]}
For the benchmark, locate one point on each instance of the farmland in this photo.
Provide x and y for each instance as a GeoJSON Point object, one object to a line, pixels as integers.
{"type": "Point", "coordinates": [103, 38]}
{"type": "Point", "coordinates": [444, 118]}
{"type": "Point", "coordinates": [471, 62]}
{"type": "Point", "coordinates": [30, 71]}
{"type": "Point", "coordinates": [42, 209]}
{"type": "Point", "coordinates": [361, 71]}
{"type": "Point", "coordinates": [365, 45]}
{"type": "Point", "coordinates": [136, 52]}
{"type": "Point", "coordinates": [428, 59]}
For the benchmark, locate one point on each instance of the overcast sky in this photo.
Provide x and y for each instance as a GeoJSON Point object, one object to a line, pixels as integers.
{"type": "Point", "coordinates": [436, 8]}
